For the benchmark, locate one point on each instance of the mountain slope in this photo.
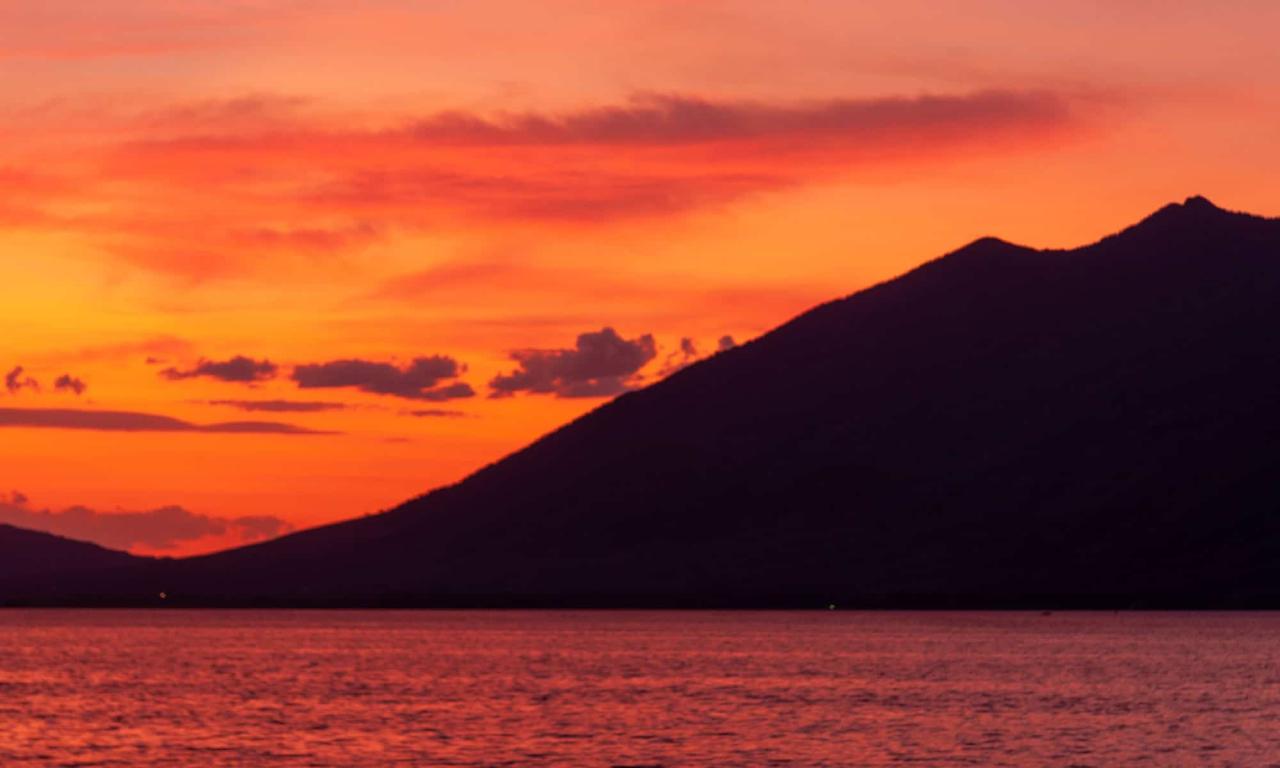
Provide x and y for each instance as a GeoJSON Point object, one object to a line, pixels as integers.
{"type": "Point", "coordinates": [1001, 426]}
{"type": "Point", "coordinates": [35, 563]}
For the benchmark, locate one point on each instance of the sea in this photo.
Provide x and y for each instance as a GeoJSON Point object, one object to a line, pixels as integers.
{"type": "Point", "coordinates": [631, 688]}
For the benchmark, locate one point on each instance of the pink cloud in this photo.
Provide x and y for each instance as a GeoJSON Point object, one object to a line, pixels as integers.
{"type": "Point", "coordinates": [162, 530]}
{"type": "Point", "coordinates": [249, 185]}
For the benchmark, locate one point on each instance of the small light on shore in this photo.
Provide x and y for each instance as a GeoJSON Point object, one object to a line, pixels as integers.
{"type": "Point", "coordinates": [831, 606]}
{"type": "Point", "coordinates": [163, 596]}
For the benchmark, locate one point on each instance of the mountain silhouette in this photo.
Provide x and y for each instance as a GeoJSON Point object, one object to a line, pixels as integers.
{"type": "Point", "coordinates": [28, 557]}
{"type": "Point", "coordinates": [1002, 426]}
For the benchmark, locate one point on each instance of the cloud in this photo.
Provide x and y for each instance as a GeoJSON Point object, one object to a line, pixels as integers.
{"type": "Point", "coordinates": [422, 379]}
{"type": "Point", "coordinates": [686, 354]}
{"type": "Point", "coordinates": [306, 239]}
{"type": "Point", "coordinates": [15, 381]}
{"type": "Point", "coordinates": [241, 246]}
{"type": "Point", "coordinates": [455, 391]}
{"type": "Point", "coordinates": [129, 421]}
{"type": "Point", "coordinates": [281, 406]}
{"type": "Point", "coordinates": [262, 526]}
{"type": "Point", "coordinates": [444, 277]}
{"type": "Point", "coordinates": [68, 383]}
{"type": "Point", "coordinates": [153, 350]}
{"type": "Point", "coordinates": [246, 114]}
{"type": "Point", "coordinates": [662, 155]}
{"type": "Point", "coordinates": [667, 120]}
{"type": "Point", "coordinates": [155, 531]}
{"type": "Point", "coordinates": [274, 188]}
{"type": "Point", "coordinates": [566, 194]}
{"type": "Point", "coordinates": [439, 413]}
{"type": "Point", "coordinates": [601, 364]}
{"type": "Point", "coordinates": [65, 30]}
{"type": "Point", "coordinates": [239, 369]}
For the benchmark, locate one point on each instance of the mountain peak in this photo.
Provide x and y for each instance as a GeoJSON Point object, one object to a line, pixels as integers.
{"type": "Point", "coordinates": [1195, 215]}
{"type": "Point", "coordinates": [988, 248]}
{"type": "Point", "coordinates": [1200, 203]}
{"type": "Point", "coordinates": [1195, 207]}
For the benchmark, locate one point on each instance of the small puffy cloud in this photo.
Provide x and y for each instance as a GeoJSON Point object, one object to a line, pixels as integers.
{"type": "Point", "coordinates": [281, 406]}
{"type": "Point", "coordinates": [131, 421]}
{"type": "Point", "coordinates": [601, 364]}
{"type": "Point", "coordinates": [424, 378]}
{"type": "Point", "coordinates": [68, 383]}
{"type": "Point", "coordinates": [688, 353]}
{"type": "Point", "coordinates": [239, 369]}
{"type": "Point", "coordinates": [156, 531]}
{"type": "Point", "coordinates": [16, 380]}
{"type": "Point", "coordinates": [682, 357]}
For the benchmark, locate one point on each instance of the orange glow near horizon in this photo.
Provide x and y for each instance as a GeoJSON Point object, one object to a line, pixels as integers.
{"type": "Point", "coordinates": [308, 183]}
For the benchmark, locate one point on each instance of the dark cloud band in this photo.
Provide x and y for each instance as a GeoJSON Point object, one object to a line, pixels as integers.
{"type": "Point", "coordinates": [281, 406]}
{"type": "Point", "coordinates": [239, 369]}
{"type": "Point", "coordinates": [665, 120]}
{"type": "Point", "coordinates": [425, 378]}
{"type": "Point", "coordinates": [129, 421]}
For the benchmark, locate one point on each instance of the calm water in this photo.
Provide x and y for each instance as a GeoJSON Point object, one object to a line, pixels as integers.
{"type": "Point", "coordinates": [245, 688]}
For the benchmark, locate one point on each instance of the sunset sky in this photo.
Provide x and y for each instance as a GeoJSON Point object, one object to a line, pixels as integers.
{"type": "Point", "coordinates": [314, 258]}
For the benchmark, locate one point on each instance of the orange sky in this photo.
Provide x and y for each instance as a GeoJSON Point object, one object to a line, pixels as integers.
{"type": "Point", "coordinates": [476, 184]}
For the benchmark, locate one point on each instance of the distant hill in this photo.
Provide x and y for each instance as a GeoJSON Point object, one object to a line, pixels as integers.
{"type": "Point", "coordinates": [1001, 426]}
{"type": "Point", "coordinates": [34, 562]}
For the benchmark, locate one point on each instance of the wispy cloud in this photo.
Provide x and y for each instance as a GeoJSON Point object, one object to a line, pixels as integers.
{"type": "Point", "coordinates": [436, 413]}
{"type": "Point", "coordinates": [676, 120]}
{"type": "Point", "coordinates": [130, 421]}
{"type": "Point", "coordinates": [154, 349]}
{"type": "Point", "coordinates": [281, 406]}
{"type": "Point", "coordinates": [279, 186]}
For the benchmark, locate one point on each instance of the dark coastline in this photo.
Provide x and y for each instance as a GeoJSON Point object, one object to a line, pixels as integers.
{"type": "Point", "coordinates": [1027, 603]}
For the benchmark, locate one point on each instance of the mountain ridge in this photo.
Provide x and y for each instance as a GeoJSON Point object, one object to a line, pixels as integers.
{"type": "Point", "coordinates": [1001, 425]}
{"type": "Point", "coordinates": [30, 554]}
